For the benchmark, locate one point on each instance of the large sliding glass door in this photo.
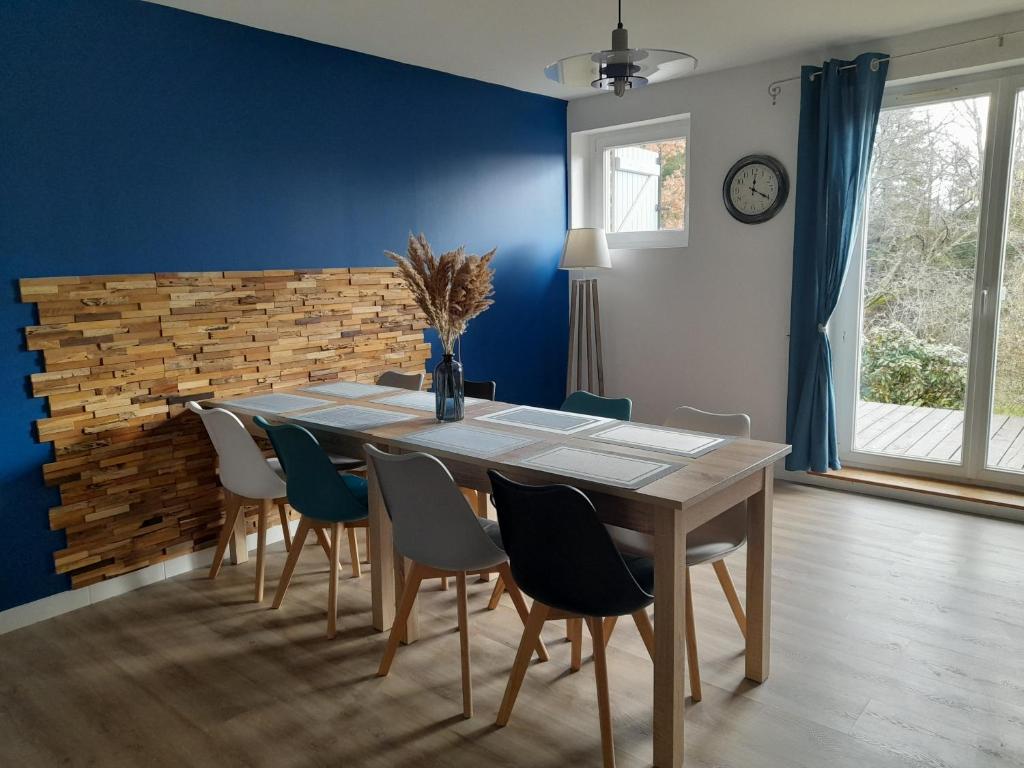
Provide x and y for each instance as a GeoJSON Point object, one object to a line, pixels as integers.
{"type": "Point", "coordinates": [928, 338]}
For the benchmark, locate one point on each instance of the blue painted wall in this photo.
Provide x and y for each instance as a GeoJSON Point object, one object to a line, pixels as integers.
{"type": "Point", "coordinates": [136, 138]}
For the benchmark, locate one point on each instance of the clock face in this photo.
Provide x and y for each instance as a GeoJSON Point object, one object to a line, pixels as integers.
{"type": "Point", "coordinates": [755, 189]}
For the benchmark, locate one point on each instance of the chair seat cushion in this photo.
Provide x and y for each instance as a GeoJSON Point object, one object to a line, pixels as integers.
{"type": "Point", "coordinates": [642, 569]}
{"type": "Point", "coordinates": [358, 488]}
{"type": "Point", "coordinates": [707, 543]}
{"type": "Point", "coordinates": [341, 463]}
{"type": "Point", "coordinates": [493, 531]}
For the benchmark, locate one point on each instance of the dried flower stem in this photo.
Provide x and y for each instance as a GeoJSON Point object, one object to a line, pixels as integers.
{"type": "Point", "coordinates": [451, 290]}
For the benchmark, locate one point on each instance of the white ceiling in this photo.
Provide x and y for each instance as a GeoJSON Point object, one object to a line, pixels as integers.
{"type": "Point", "coordinates": [510, 41]}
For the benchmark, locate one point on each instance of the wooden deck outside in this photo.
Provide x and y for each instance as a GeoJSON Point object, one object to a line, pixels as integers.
{"type": "Point", "coordinates": [935, 434]}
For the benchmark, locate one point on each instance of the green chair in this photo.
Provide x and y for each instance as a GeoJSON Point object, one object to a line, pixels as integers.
{"type": "Point", "coordinates": [620, 408]}
{"type": "Point", "coordinates": [323, 498]}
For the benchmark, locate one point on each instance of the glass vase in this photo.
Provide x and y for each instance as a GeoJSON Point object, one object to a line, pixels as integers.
{"type": "Point", "coordinates": [450, 399]}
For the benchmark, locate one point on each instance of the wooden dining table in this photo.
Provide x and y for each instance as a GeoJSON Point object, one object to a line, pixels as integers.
{"type": "Point", "coordinates": [668, 508]}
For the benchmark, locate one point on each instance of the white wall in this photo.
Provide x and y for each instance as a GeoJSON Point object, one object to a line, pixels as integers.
{"type": "Point", "coordinates": [707, 325]}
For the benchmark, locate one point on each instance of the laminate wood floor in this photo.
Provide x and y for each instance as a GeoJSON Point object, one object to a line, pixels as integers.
{"type": "Point", "coordinates": [898, 640]}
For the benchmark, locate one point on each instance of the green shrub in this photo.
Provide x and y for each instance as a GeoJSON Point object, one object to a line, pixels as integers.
{"type": "Point", "coordinates": [898, 367]}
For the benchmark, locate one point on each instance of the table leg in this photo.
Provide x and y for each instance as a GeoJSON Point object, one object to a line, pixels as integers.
{"type": "Point", "coordinates": [759, 579]}
{"type": "Point", "coordinates": [382, 569]}
{"type": "Point", "coordinates": [669, 636]}
{"type": "Point", "coordinates": [481, 512]}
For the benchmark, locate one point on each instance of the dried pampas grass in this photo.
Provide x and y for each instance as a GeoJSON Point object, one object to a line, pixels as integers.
{"type": "Point", "coordinates": [451, 290]}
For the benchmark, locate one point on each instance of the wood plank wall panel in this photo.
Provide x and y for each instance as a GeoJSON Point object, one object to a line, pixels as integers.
{"type": "Point", "coordinates": [123, 353]}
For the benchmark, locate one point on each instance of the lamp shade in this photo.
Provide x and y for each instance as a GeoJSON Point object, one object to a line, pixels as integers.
{"type": "Point", "coordinates": [585, 248]}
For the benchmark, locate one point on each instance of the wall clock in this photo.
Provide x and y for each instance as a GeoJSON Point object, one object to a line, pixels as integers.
{"type": "Point", "coordinates": [755, 188]}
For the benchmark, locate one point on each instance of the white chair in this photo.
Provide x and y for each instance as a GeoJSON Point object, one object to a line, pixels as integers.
{"type": "Point", "coordinates": [435, 528]}
{"type": "Point", "coordinates": [709, 543]}
{"type": "Point", "coordinates": [249, 479]}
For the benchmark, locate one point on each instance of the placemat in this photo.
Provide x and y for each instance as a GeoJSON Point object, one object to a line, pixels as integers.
{"type": "Point", "coordinates": [661, 439]}
{"type": "Point", "coordinates": [354, 417]}
{"type": "Point", "coordinates": [352, 389]}
{"type": "Point", "coordinates": [476, 441]}
{"type": "Point", "coordinates": [607, 468]}
{"type": "Point", "coordinates": [423, 401]}
{"type": "Point", "coordinates": [276, 403]}
{"type": "Point", "coordinates": [560, 422]}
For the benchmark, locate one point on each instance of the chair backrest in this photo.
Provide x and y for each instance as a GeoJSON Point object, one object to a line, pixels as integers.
{"type": "Point", "coordinates": [730, 424]}
{"type": "Point", "coordinates": [484, 390]}
{"type": "Point", "coordinates": [731, 525]}
{"type": "Point", "coordinates": [433, 523]}
{"type": "Point", "coordinates": [560, 553]}
{"type": "Point", "coordinates": [315, 488]}
{"type": "Point", "coordinates": [401, 380]}
{"type": "Point", "coordinates": [594, 405]}
{"type": "Point", "coordinates": [243, 468]}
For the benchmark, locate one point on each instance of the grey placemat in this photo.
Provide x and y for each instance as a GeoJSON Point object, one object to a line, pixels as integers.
{"type": "Point", "coordinates": [352, 389]}
{"type": "Point", "coordinates": [354, 417]}
{"type": "Point", "coordinates": [661, 439]}
{"type": "Point", "coordinates": [599, 466]}
{"type": "Point", "coordinates": [476, 441]}
{"type": "Point", "coordinates": [423, 401]}
{"type": "Point", "coordinates": [276, 403]}
{"type": "Point", "coordinates": [560, 422]}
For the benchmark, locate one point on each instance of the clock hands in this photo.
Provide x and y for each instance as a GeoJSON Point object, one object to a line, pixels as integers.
{"type": "Point", "coordinates": [758, 191]}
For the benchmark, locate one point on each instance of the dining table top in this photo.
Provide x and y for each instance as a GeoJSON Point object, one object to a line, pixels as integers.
{"type": "Point", "coordinates": [693, 478]}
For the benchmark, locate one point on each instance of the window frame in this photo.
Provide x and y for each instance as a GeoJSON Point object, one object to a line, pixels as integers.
{"type": "Point", "coordinates": [597, 143]}
{"type": "Point", "coordinates": [845, 328]}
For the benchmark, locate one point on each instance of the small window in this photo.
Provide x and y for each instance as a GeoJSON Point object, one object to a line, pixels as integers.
{"type": "Point", "coordinates": [637, 183]}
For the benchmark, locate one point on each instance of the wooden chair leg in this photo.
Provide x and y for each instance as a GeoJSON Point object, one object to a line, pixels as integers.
{"type": "Point", "coordinates": [321, 537]}
{"type": "Point", "coordinates": [293, 557]}
{"type": "Point", "coordinates": [231, 506]}
{"type": "Point", "coordinates": [604, 706]}
{"type": "Point", "coordinates": [531, 633]}
{"type": "Point", "coordinates": [467, 680]}
{"type": "Point", "coordinates": [353, 552]}
{"type": "Point", "coordinates": [730, 594]}
{"type": "Point", "coordinates": [646, 629]}
{"type": "Point", "coordinates": [691, 644]}
{"type": "Point", "coordinates": [286, 531]}
{"type": "Point", "coordinates": [499, 589]}
{"type": "Point", "coordinates": [412, 588]}
{"type": "Point", "coordinates": [332, 589]}
{"type": "Point", "coordinates": [261, 546]}
{"type": "Point", "coordinates": [444, 583]}
{"type": "Point", "coordinates": [609, 627]}
{"type": "Point", "coordinates": [505, 576]}
{"type": "Point", "coordinates": [367, 529]}
{"type": "Point", "coordinates": [574, 630]}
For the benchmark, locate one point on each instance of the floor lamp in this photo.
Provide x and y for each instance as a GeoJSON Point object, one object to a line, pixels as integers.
{"type": "Point", "coordinates": [585, 249]}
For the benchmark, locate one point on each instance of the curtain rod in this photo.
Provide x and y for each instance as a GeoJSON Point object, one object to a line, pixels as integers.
{"type": "Point", "coordinates": [775, 87]}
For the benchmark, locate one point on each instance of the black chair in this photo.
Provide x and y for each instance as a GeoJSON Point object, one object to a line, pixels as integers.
{"type": "Point", "coordinates": [563, 557]}
{"type": "Point", "coordinates": [482, 390]}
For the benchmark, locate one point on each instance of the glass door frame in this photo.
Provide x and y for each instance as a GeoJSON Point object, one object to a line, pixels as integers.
{"type": "Point", "coordinates": [847, 321]}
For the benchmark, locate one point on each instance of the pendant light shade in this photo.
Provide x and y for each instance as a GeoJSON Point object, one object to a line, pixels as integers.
{"type": "Point", "coordinates": [621, 68]}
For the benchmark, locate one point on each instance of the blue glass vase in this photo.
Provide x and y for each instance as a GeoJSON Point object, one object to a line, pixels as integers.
{"type": "Point", "coordinates": [450, 398]}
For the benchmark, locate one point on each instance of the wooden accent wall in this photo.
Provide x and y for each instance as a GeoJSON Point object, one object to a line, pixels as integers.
{"type": "Point", "coordinates": [122, 355]}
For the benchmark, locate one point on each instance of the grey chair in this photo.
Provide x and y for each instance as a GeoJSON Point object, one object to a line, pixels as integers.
{"type": "Point", "coordinates": [413, 381]}
{"type": "Point", "coordinates": [435, 528]}
{"type": "Point", "coordinates": [709, 543]}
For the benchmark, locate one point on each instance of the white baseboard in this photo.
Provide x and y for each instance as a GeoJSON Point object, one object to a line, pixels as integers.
{"type": "Point", "coordinates": [65, 602]}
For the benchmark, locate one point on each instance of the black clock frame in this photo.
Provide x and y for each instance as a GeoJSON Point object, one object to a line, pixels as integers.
{"type": "Point", "coordinates": [770, 212]}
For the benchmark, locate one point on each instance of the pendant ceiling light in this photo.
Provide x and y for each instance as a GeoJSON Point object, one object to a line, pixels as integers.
{"type": "Point", "coordinates": [622, 68]}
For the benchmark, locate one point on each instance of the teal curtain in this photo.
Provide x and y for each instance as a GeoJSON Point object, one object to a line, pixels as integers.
{"type": "Point", "coordinates": [838, 115]}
